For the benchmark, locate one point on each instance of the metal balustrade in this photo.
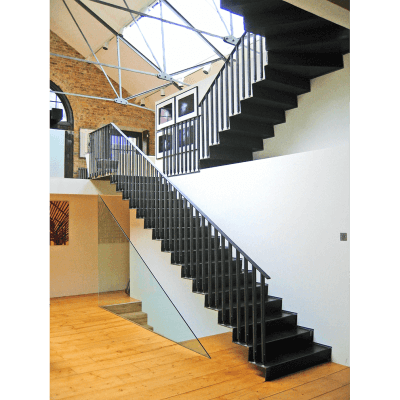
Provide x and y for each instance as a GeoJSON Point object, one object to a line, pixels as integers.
{"type": "Point", "coordinates": [189, 141]}
{"type": "Point", "coordinates": [219, 268]}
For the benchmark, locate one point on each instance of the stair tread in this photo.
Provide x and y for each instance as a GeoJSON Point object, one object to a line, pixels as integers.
{"type": "Point", "coordinates": [291, 356]}
{"type": "Point", "coordinates": [285, 334]}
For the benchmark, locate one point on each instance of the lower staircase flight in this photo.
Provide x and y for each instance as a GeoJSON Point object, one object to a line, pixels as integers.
{"type": "Point", "coordinates": [233, 284]}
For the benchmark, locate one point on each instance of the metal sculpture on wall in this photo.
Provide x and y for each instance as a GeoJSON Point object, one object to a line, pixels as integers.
{"type": "Point", "coordinates": [59, 223]}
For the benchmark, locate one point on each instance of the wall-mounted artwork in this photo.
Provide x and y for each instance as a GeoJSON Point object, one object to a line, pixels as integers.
{"type": "Point", "coordinates": [165, 113]}
{"type": "Point", "coordinates": [59, 223]}
{"type": "Point", "coordinates": [176, 139]}
{"type": "Point", "coordinates": [186, 105]}
{"type": "Point", "coordinates": [163, 142]}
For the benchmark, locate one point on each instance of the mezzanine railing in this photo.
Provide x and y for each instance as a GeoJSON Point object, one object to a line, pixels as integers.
{"type": "Point", "coordinates": [189, 141]}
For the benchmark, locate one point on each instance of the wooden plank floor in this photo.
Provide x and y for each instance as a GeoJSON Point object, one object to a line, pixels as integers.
{"type": "Point", "coordinates": [95, 354]}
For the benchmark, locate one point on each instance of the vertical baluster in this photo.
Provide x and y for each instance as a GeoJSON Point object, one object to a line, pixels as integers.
{"type": "Point", "coordinates": [243, 68]}
{"type": "Point", "coordinates": [238, 318]}
{"type": "Point", "coordinates": [226, 96]}
{"type": "Point", "coordinates": [263, 318]}
{"type": "Point", "coordinates": [223, 273]}
{"type": "Point", "coordinates": [261, 57]}
{"type": "Point", "coordinates": [192, 256]}
{"type": "Point", "coordinates": [160, 205]}
{"type": "Point", "coordinates": [209, 265]}
{"type": "Point", "coordinates": [212, 113]}
{"type": "Point", "coordinates": [254, 313]}
{"type": "Point", "coordinates": [237, 81]}
{"type": "Point", "coordinates": [170, 210]}
{"type": "Point", "coordinates": [248, 65]}
{"type": "Point", "coordinates": [164, 213]}
{"type": "Point", "coordinates": [189, 139]}
{"type": "Point", "coordinates": [185, 237]}
{"type": "Point", "coordinates": [174, 153]}
{"type": "Point", "coordinates": [207, 127]}
{"type": "Point", "coordinates": [170, 153]}
{"type": "Point", "coordinates": [146, 193]}
{"type": "Point", "coordinates": [246, 301]}
{"type": "Point", "coordinates": [203, 254]}
{"type": "Point", "coordinates": [164, 135]}
{"type": "Point", "coordinates": [197, 150]}
{"type": "Point", "coordinates": [230, 272]}
{"type": "Point", "coordinates": [255, 57]}
{"type": "Point", "coordinates": [216, 112]}
{"type": "Point", "coordinates": [178, 232]}
{"type": "Point", "coordinates": [177, 149]}
{"type": "Point", "coordinates": [197, 227]}
{"type": "Point", "coordinates": [232, 94]}
{"type": "Point", "coordinates": [216, 248]}
{"type": "Point", "coordinates": [221, 79]}
{"type": "Point", "coordinates": [187, 146]}
{"type": "Point", "coordinates": [203, 129]}
{"type": "Point", "coordinates": [156, 197]}
{"type": "Point", "coordinates": [174, 207]}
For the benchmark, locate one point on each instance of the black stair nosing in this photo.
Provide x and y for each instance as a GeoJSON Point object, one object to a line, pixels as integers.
{"type": "Point", "coordinates": [307, 72]}
{"type": "Point", "coordinates": [283, 21]}
{"type": "Point", "coordinates": [287, 333]}
{"type": "Point", "coordinates": [268, 116]}
{"type": "Point", "coordinates": [265, 132]}
{"type": "Point", "coordinates": [284, 81]}
{"type": "Point", "coordinates": [281, 315]}
{"type": "Point", "coordinates": [221, 152]}
{"type": "Point", "coordinates": [308, 59]}
{"type": "Point", "coordinates": [277, 36]}
{"type": "Point", "coordinates": [232, 138]}
{"type": "Point", "coordinates": [272, 98]}
{"type": "Point", "coordinates": [306, 40]}
{"type": "Point", "coordinates": [269, 300]}
{"type": "Point", "coordinates": [250, 6]}
{"type": "Point", "coordinates": [212, 162]}
{"type": "Point", "coordinates": [285, 358]}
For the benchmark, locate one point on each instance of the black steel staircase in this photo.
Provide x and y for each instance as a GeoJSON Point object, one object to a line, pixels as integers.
{"type": "Point", "coordinates": [300, 46]}
{"type": "Point", "coordinates": [233, 284]}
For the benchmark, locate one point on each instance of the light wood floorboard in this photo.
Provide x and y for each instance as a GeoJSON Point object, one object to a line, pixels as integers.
{"type": "Point", "coordinates": [95, 354]}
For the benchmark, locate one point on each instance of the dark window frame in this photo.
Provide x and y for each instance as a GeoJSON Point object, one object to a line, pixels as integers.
{"type": "Point", "coordinates": [67, 125]}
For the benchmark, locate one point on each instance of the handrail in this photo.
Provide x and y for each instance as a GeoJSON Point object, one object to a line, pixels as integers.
{"type": "Point", "coordinates": [191, 203]}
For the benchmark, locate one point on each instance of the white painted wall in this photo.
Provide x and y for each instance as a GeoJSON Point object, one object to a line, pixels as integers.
{"type": "Point", "coordinates": [321, 120]}
{"type": "Point", "coordinates": [287, 213]}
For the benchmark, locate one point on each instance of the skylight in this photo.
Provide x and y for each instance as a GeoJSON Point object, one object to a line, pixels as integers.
{"type": "Point", "coordinates": [184, 48]}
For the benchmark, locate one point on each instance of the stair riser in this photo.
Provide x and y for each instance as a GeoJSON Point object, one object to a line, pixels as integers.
{"type": "Point", "coordinates": [273, 98]}
{"type": "Point", "coordinates": [275, 348]}
{"type": "Point", "coordinates": [266, 116]}
{"type": "Point", "coordinates": [222, 282]}
{"type": "Point", "coordinates": [297, 365]}
{"type": "Point", "coordinates": [271, 307]}
{"type": "Point", "coordinates": [252, 128]}
{"type": "Point", "coordinates": [173, 233]}
{"type": "Point", "coordinates": [189, 271]}
{"type": "Point", "coordinates": [212, 301]}
{"type": "Point", "coordinates": [280, 324]}
{"type": "Point", "coordinates": [171, 246]}
{"type": "Point", "coordinates": [284, 82]}
{"type": "Point", "coordinates": [196, 255]}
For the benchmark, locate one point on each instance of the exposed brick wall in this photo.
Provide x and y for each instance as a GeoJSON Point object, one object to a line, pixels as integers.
{"type": "Point", "coordinates": [77, 77]}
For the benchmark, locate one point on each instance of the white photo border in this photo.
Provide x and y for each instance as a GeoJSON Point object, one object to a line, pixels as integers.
{"type": "Point", "coordinates": [196, 105]}
{"type": "Point", "coordinates": [161, 105]}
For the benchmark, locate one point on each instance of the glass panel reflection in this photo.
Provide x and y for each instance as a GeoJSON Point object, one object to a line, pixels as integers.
{"type": "Point", "coordinates": [129, 289]}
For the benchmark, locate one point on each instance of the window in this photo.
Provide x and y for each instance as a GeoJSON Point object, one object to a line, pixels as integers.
{"type": "Point", "coordinates": [59, 101]}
